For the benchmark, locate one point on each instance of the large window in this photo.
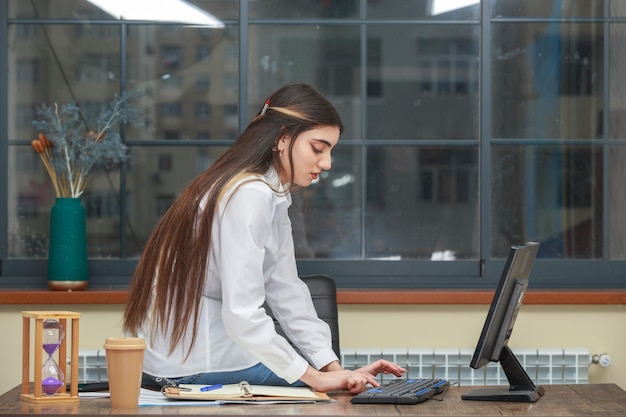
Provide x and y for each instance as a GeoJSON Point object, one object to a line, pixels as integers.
{"type": "Point", "coordinates": [469, 128]}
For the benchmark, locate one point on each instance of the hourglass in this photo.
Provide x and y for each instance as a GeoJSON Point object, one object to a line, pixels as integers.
{"type": "Point", "coordinates": [49, 379]}
{"type": "Point", "coordinates": [52, 377]}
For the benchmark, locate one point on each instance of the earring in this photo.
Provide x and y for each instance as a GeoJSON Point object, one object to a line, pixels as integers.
{"type": "Point", "coordinates": [278, 149]}
{"type": "Point", "coordinates": [275, 149]}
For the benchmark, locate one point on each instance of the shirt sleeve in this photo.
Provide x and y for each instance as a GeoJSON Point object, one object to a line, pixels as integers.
{"type": "Point", "coordinates": [290, 300]}
{"type": "Point", "coordinates": [240, 240]}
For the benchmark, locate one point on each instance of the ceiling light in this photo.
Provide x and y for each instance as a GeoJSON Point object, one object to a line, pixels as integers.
{"type": "Point", "coordinates": [173, 11]}
{"type": "Point", "coordinates": [444, 6]}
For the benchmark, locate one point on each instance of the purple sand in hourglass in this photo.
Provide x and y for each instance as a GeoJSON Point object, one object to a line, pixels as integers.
{"type": "Point", "coordinates": [50, 347]}
{"type": "Point", "coordinates": [50, 385]}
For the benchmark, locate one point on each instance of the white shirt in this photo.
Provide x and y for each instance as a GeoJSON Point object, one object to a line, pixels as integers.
{"type": "Point", "coordinates": [252, 260]}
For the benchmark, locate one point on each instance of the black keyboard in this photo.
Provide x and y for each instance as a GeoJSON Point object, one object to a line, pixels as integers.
{"type": "Point", "coordinates": [402, 391]}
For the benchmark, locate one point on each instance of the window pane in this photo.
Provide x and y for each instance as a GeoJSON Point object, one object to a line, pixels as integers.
{"type": "Point", "coordinates": [58, 65]}
{"type": "Point", "coordinates": [405, 77]}
{"type": "Point", "coordinates": [425, 87]}
{"type": "Point", "coordinates": [325, 56]}
{"type": "Point", "coordinates": [83, 9]}
{"type": "Point", "coordinates": [617, 202]}
{"type": "Point", "coordinates": [156, 177]}
{"type": "Point", "coordinates": [422, 203]}
{"type": "Point", "coordinates": [420, 9]}
{"type": "Point", "coordinates": [549, 194]}
{"type": "Point", "coordinates": [58, 9]}
{"type": "Point", "coordinates": [618, 8]}
{"type": "Point", "coordinates": [32, 196]}
{"type": "Point", "coordinates": [102, 204]}
{"type": "Point", "coordinates": [179, 89]}
{"type": "Point", "coordinates": [548, 8]}
{"type": "Point", "coordinates": [30, 199]}
{"type": "Point", "coordinates": [222, 9]}
{"type": "Point", "coordinates": [547, 80]}
{"type": "Point", "coordinates": [326, 217]}
{"type": "Point", "coordinates": [306, 9]}
{"type": "Point", "coordinates": [617, 92]}
{"type": "Point", "coordinates": [617, 130]}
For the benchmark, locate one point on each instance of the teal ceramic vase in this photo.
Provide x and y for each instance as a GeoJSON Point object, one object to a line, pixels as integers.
{"type": "Point", "coordinates": [67, 252]}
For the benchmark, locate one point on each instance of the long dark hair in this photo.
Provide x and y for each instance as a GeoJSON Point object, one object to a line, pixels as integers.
{"type": "Point", "coordinates": [177, 249]}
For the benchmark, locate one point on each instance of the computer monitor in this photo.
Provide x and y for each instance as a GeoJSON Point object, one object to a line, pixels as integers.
{"type": "Point", "coordinates": [493, 342]}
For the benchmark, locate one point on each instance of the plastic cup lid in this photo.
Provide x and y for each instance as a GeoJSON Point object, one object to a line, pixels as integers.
{"type": "Point", "coordinates": [125, 343]}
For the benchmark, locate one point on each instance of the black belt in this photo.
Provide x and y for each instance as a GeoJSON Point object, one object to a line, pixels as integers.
{"type": "Point", "coordinates": [154, 382]}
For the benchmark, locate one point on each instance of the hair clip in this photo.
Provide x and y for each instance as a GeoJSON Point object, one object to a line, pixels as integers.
{"type": "Point", "coordinates": [245, 387]}
{"type": "Point", "coordinates": [265, 106]}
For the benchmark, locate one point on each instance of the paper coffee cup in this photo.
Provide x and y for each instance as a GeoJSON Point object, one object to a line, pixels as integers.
{"type": "Point", "coordinates": [124, 356]}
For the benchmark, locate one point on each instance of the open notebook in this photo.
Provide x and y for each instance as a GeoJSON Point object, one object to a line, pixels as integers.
{"type": "Point", "coordinates": [243, 392]}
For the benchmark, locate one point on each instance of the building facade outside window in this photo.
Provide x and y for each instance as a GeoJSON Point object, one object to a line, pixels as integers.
{"type": "Point", "coordinates": [468, 129]}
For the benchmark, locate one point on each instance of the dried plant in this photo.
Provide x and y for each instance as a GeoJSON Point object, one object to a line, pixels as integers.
{"type": "Point", "coordinates": [71, 151]}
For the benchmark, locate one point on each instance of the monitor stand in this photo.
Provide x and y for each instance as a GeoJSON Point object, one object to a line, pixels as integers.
{"type": "Point", "coordinates": [521, 387]}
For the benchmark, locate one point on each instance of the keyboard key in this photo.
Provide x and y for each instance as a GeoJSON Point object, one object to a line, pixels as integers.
{"type": "Point", "coordinates": [402, 391]}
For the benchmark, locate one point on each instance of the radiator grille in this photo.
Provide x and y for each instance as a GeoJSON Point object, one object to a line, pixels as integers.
{"type": "Point", "coordinates": [92, 366]}
{"type": "Point", "coordinates": [545, 366]}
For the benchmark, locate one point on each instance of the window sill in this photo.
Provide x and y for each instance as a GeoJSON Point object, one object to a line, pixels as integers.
{"type": "Point", "coordinates": [343, 297]}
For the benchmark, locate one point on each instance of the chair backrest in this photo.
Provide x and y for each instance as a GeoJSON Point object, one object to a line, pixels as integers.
{"type": "Point", "coordinates": [324, 294]}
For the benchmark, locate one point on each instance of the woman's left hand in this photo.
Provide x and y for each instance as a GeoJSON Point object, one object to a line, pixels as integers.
{"type": "Point", "coordinates": [382, 366]}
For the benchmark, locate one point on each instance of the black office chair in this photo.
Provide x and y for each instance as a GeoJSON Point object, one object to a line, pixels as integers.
{"type": "Point", "coordinates": [324, 294]}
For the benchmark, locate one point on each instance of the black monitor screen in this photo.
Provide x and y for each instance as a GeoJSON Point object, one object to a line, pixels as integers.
{"type": "Point", "coordinates": [493, 341]}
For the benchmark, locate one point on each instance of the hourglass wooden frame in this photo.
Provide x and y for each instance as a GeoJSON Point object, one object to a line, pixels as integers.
{"type": "Point", "coordinates": [61, 395]}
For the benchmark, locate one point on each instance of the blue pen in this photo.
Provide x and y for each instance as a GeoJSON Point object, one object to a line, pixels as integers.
{"type": "Point", "coordinates": [210, 387]}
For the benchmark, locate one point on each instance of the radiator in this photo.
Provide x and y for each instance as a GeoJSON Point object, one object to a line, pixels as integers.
{"type": "Point", "coordinates": [544, 366]}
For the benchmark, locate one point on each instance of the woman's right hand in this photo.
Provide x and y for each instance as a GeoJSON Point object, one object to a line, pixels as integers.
{"type": "Point", "coordinates": [354, 381]}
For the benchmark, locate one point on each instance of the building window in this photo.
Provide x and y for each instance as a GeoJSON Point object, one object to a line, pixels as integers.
{"type": "Point", "coordinates": [171, 57]}
{"type": "Point", "coordinates": [202, 52]}
{"type": "Point", "coordinates": [24, 116]}
{"type": "Point", "coordinates": [231, 83]}
{"type": "Point", "coordinates": [203, 135]}
{"type": "Point", "coordinates": [232, 53]}
{"type": "Point", "coordinates": [202, 83]}
{"type": "Point", "coordinates": [27, 162]}
{"type": "Point", "coordinates": [171, 135]}
{"type": "Point", "coordinates": [172, 109]}
{"type": "Point", "coordinates": [97, 31]}
{"type": "Point", "coordinates": [447, 66]}
{"type": "Point", "coordinates": [203, 111]}
{"type": "Point", "coordinates": [27, 71]}
{"type": "Point", "coordinates": [97, 67]}
{"type": "Point", "coordinates": [174, 81]}
{"type": "Point", "coordinates": [27, 205]}
{"type": "Point", "coordinates": [24, 32]}
{"type": "Point", "coordinates": [90, 111]}
{"type": "Point", "coordinates": [164, 162]}
{"type": "Point", "coordinates": [453, 141]}
{"type": "Point", "coordinates": [163, 202]}
{"type": "Point", "coordinates": [101, 204]}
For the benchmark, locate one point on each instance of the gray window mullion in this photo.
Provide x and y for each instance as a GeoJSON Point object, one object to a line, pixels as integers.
{"type": "Point", "coordinates": [4, 140]}
{"type": "Point", "coordinates": [485, 131]}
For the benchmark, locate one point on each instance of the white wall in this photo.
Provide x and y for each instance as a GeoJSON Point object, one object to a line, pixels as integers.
{"type": "Point", "coordinates": [597, 328]}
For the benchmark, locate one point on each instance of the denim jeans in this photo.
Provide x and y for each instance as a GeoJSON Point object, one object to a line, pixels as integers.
{"type": "Point", "coordinates": [258, 374]}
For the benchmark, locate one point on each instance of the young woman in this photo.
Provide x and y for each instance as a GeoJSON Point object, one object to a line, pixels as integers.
{"type": "Point", "coordinates": [225, 247]}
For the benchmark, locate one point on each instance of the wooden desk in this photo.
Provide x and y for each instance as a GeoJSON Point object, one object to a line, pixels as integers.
{"type": "Point", "coordinates": [606, 400]}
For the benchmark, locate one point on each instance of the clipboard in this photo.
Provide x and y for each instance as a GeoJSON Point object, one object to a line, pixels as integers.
{"type": "Point", "coordinates": [244, 392]}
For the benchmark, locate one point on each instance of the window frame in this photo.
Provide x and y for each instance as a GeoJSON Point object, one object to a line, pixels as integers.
{"type": "Point", "coordinates": [560, 274]}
